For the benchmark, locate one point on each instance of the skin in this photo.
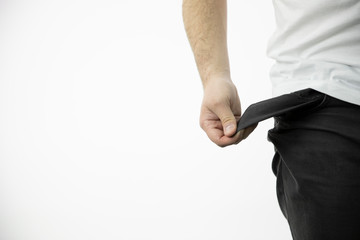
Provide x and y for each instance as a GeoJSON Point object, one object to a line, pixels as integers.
{"type": "Point", "coordinates": [205, 24]}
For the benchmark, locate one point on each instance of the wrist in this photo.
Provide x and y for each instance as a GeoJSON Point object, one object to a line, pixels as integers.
{"type": "Point", "coordinates": [222, 77]}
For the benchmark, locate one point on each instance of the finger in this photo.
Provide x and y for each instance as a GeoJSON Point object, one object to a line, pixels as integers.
{"type": "Point", "coordinates": [227, 119]}
{"type": "Point", "coordinates": [217, 136]}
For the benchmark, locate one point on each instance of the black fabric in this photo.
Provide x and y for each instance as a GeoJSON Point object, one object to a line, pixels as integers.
{"type": "Point", "coordinates": [316, 162]}
{"type": "Point", "coordinates": [276, 106]}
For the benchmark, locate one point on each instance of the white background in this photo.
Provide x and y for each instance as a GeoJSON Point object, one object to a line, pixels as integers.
{"type": "Point", "coordinates": [99, 133]}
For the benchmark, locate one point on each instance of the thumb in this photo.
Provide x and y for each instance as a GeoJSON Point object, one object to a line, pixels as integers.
{"type": "Point", "coordinates": [228, 121]}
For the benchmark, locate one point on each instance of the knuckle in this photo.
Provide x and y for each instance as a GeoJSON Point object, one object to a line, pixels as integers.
{"type": "Point", "coordinates": [226, 119]}
{"type": "Point", "coordinates": [204, 125]}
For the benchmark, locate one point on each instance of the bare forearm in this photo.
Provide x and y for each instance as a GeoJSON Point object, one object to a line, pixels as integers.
{"type": "Point", "coordinates": [205, 23]}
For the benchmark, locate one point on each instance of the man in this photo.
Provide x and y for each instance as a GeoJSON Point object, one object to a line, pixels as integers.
{"type": "Point", "coordinates": [317, 140]}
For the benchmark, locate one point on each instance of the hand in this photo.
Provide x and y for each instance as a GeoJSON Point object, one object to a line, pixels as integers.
{"type": "Point", "coordinates": [220, 112]}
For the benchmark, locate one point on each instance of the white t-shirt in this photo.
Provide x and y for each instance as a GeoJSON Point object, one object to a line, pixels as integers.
{"type": "Point", "coordinates": [317, 45]}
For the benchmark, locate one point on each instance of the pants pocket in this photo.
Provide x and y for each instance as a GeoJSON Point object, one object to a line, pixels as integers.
{"type": "Point", "coordinates": [316, 101]}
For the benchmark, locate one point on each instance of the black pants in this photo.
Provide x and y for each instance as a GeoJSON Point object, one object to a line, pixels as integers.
{"type": "Point", "coordinates": [317, 165]}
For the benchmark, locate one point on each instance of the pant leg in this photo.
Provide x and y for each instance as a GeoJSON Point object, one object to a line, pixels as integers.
{"type": "Point", "coordinates": [317, 164]}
